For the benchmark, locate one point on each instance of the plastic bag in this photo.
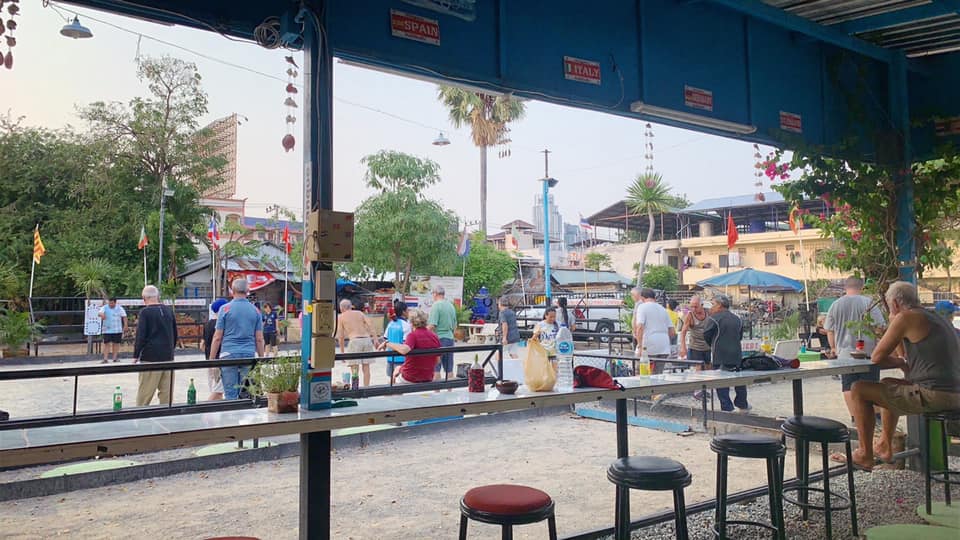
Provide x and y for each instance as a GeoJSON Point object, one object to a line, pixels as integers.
{"type": "Point", "coordinates": [538, 372]}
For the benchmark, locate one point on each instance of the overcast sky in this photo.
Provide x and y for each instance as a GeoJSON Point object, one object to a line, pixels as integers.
{"type": "Point", "coordinates": [594, 155]}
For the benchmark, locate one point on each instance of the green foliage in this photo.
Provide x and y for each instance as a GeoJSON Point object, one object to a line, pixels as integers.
{"type": "Point", "coordinates": [389, 170]}
{"type": "Point", "coordinates": [787, 328]}
{"type": "Point", "coordinates": [626, 314]}
{"type": "Point", "coordinates": [486, 267]}
{"type": "Point", "coordinates": [865, 326]}
{"type": "Point", "coordinates": [463, 313]}
{"type": "Point", "coordinates": [649, 194]}
{"type": "Point", "coordinates": [16, 329]}
{"type": "Point", "coordinates": [596, 261]}
{"type": "Point", "coordinates": [282, 374]}
{"type": "Point", "coordinates": [661, 277]}
{"type": "Point", "coordinates": [92, 278]}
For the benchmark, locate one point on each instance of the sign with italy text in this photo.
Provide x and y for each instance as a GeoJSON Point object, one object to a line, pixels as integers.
{"type": "Point", "coordinates": [791, 122]}
{"type": "Point", "coordinates": [585, 71]}
{"type": "Point", "coordinates": [413, 27]}
{"type": "Point", "coordinates": [697, 98]}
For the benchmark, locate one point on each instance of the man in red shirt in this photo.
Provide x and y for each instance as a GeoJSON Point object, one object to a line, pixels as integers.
{"type": "Point", "coordinates": [416, 368]}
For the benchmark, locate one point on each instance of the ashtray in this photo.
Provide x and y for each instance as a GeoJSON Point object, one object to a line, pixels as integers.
{"type": "Point", "coordinates": [507, 387]}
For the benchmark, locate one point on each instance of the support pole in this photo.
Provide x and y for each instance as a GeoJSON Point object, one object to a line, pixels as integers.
{"type": "Point", "coordinates": [546, 241]}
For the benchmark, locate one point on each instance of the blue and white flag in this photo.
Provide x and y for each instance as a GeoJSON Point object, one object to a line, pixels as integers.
{"type": "Point", "coordinates": [463, 248]}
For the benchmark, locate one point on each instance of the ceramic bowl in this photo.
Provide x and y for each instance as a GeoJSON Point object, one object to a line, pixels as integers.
{"type": "Point", "coordinates": [507, 387]}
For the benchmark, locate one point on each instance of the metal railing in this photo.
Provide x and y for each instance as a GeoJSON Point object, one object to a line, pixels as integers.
{"type": "Point", "coordinates": [172, 408]}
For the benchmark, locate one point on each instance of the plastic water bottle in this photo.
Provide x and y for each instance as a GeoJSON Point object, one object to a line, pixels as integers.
{"type": "Point", "coordinates": [644, 363]}
{"type": "Point", "coordinates": [564, 359]}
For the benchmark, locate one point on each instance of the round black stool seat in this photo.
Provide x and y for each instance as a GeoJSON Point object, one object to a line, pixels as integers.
{"type": "Point", "coordinates": [649, 473]}
{"type": "Point", "coordinates": [816, 429]}
{"type": "Point", "coordinates": [747, 445]}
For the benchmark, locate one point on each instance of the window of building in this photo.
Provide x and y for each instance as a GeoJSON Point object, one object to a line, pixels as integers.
{"type": "Point", "coordinates": [722, 261]}
{"type": "Point", "coordinates": [789, 247]}
{"type": "Point", "coordinates": [695, 253]}
{"type": "Point", "coordinates": [673, 261]}
{"type": "Point", "coordinates": [770, 258]}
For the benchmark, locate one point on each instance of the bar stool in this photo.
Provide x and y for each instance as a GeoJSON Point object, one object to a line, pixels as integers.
{"type": "Point", "coordinates": [752, 446]}
{"type": "Point", "coordinates": [648, 473]}
{"type": "Point", "coordinates": [941, 476]}
{"type": "Point", "coordinates": [807, 429]}
{"type": "Point", "coordinates": [507, 505]}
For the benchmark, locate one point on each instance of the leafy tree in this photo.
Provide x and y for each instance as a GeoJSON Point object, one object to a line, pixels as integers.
{"type": "Point", "coordinates": [596, 261]}
{"type": "Point", "coordinates": [649, 194]}
{"type": "Point", "coordinates": [489, 117]}
{"type": "Point", "coordinates": [399, 230]}
{"type": "Point", "coordinates": [661, 277]}
{"type": "Point", "coordinates": [92, 278]}
{"type": "Point", "coordinates": [486, 266]}
{"type": "Point", "coordinates": [234, 244]}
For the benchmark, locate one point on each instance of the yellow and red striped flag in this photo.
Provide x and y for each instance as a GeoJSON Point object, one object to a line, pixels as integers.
{"type": "Point", "coordinates": [38, 249]}
{"type": "Point", "coordinates": [143, 238]}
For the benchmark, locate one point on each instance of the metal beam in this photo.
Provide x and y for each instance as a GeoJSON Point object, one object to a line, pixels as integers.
{"type": "Point", "coordinates": [896, 18]}
{"type": "Point", "coordinates": [789, 21]}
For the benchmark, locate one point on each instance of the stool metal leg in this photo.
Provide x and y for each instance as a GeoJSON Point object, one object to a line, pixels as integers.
{"type": "Point", "coordinates": [925, 442]}
{"type": "Point", "coordinates": [621, 525]}
{"type": "Point", "coordinates": [721, 521]}
{"type": "Point", "coordinates": [680, 514]}
{"type": "Point", "coordinates": [463, 527]}
{"type": "Point", "coordinates": [946, 461]}
{"type": "Point", "coordinates": [552, 527]}
{"type": "Point", "coordinates": [852, 493]}
{"type": "Point", "coordinates": [804, 476]}
{"type": "Point", "coordinates": [827, 511]}
{"type": "Point", "coordinates": [507, 532]}
{"type": "Point", "coordinates": [773, 493]}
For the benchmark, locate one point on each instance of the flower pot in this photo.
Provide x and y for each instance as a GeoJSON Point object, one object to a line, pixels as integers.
{"type": "Point", "coordinates": [460, 334]}
{"type": "Point", "coordinates": [283, 402]}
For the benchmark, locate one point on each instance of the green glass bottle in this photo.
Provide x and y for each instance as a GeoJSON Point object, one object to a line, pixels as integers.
{"type": "Point", "coordinates": [117, 399]}
{"type": "Point", "coordinates": [191, 394]}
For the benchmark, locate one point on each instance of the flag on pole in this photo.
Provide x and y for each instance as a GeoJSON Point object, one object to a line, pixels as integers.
{"type": "Point", "coordinates": [584, 224]}
{"type": "Point", "coordinates": [286, 238]}
{"type": "Point", "coordinates": [463, 248]}
{"type": "Point", "coordinates": [143, 238]}
{"type": "Point", "coordinates": [793, 221]}
{"type": "Point", "coordinates": [38, 249]}
{"type": "Point", "coordinates": [732, 235]}
{"type": "Point", "coordinates": [213, 233]}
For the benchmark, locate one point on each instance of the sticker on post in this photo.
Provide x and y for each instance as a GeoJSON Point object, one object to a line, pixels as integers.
{"type": "Point", "coordinates": [414, 27]}
{"type": "Point", "coordinates": [320, 390]}
{"type": "Point", "coordinates": [585, 71]}
{"type": "Point", "coordinates": [698, 98]}
{"type": "Point", "coordinates": [791, 122]}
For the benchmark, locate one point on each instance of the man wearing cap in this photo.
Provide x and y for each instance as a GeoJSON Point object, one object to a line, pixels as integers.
{"type": "Point", "coordinates": [723, 332]}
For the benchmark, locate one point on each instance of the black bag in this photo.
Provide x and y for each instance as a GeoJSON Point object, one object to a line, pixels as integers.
{"type": "Point", "coordinates": [759, 362]}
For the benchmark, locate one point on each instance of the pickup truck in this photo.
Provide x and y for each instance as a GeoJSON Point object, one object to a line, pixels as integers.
{"type": "Point", "coordinates": [601, 319]}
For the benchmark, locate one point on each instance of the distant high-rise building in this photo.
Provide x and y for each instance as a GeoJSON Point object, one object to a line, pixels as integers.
{"type": "Point", "coordinates": [556, 220]}
{"type": "Point", "coordinates": [221, 140]}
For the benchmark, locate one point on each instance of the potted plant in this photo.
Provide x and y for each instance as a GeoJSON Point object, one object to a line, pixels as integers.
{"type": "Point", "coordinates": [866, 327]}
{"type": "Point", "coordinates": [16, 331]}
{"type": "Point", "coordinates": [463, 317]}
{"type": "Point", "coordinates": [278, 380]}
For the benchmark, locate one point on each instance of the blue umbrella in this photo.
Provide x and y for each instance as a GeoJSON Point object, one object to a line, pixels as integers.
{"type": "Point", "coordinates": [755, 279]}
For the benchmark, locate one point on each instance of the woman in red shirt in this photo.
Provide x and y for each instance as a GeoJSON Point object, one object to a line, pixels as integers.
{"type": "Point", "coordinates": [416, 368]}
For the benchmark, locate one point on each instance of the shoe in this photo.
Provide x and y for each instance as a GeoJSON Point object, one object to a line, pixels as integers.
{"type": "Point", "coordinates": [744, 410]}
{"type": "Point", "coordinates": [698, 395]}
{"type": "Point", "coordinates": [657, 400]}
{"type": "Point", "coordinates": [726, 410]}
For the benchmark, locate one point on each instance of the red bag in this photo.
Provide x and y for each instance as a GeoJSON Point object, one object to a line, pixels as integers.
{"type": "Point", "coordinates": [591, 377]}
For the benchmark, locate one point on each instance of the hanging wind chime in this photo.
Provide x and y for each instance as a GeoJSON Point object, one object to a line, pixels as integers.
{"type": "Point", "coordinates": [758, 173]}
{"type": "Point", "coordinates": [648, 148]}
{"type": "Point", "coordinates": [288, 140]}
{"type": "Point", "coordinates": [7, 27]}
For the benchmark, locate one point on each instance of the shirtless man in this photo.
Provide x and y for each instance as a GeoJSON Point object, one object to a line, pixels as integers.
{"type": "Point", "coordinates": [352, 325]}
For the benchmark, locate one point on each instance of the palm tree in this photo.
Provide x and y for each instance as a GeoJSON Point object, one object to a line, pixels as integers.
{"type": "Point", "coordinates": [488, 116]}
{"type": "Point", "coordinates": [648, 194]}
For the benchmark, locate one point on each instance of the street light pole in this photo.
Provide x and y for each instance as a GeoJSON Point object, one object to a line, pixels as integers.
{"type": "Point", "coordinates": [164, 193]}
{"type": "Point", "coordinates": [547, 184]}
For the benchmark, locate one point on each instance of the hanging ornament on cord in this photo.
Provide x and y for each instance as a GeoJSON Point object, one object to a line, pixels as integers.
{"type": "Point", "coordinates": [289, 141]}
{"type": "Point", "coordinates": [7, 27]}
{"type": "Point", "coordinates": [758, 173]}
{"type": "Point", "coordinates": [648, 147]}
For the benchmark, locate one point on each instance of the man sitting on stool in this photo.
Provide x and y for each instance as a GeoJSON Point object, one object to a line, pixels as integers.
{"type": "Point", "coordinates": [931, 367]}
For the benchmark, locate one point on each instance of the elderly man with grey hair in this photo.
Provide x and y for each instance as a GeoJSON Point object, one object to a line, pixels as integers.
{"type": "Point", "coordinates": [925, 347]}
{"type": "Point", "coordinates": [723, 332]}
{"type": "Point", "coordinates": [239, 334]}
{"type": "Point", "coordinates": [354, 329]}
{"type": "Point", "coordinates": [443, 321]}
{"type": "Point", "coordinates": [155, 342]}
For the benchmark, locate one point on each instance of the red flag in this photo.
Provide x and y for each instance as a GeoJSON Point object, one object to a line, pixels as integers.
{"type": "Point", "coordinates": [732, 235]}
{"type": "Point", "coordinates": [286, 238]}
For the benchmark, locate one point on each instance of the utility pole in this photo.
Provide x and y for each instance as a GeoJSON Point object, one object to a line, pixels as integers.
{"type": "Point", "coordinates": [547, 184]}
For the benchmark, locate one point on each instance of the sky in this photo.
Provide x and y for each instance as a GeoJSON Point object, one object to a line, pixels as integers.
{"type": "Point", "coordinates": [593, 155]}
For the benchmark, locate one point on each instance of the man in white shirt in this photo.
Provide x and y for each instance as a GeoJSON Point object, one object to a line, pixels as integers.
{"type": "Point", "coordinates": [652, 327]}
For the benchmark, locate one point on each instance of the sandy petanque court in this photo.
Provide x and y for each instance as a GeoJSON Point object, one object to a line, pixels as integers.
{"type": "Point", "coordinates": [409, 488]}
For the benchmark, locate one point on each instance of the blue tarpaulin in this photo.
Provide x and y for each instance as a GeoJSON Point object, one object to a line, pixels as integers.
{"type": "Point", "coordinates": [755, 279]}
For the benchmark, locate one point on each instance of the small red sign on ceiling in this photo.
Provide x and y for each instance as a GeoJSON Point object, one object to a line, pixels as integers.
{"type": "Point", "coordinates": [697, 98]}
{"type": "Point", "coordinates": [791, 122]}
{"type": "Point", "coordinates": [414, 27]}
{"type": "Point", "coordinates": [946, 127]}
{"type": "Point", "coordinates": [576, 69]}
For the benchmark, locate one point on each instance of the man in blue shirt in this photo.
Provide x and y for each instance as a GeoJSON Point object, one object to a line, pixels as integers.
{"type": "Point", "coordinates": [239, 334]}
{"type": "Point", "coordinates": [114, 326]}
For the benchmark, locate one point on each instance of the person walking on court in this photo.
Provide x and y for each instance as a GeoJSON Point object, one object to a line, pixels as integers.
{"type": "Point", "coordinates": [209, 329]}
{"type": "Point", "coordinates": [114, 327]}
{"type": "Point", "coordinates": [352, 325]}
{"type": "Point", "coordinates": [155, 342]}
{"type": "Point", "coordinates": [239, 334]}
{"type": "Point", "coordinates": [443, 321]}
{"type": "Point", "coordinates": [270, 329]}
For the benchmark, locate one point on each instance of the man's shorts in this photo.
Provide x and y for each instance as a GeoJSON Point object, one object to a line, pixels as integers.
{"type": "Point", "coordinates": [703, 356]}
{"type": "Point", "coordinates": [913, 399]}
{"type": "Point", "coordinates": [446, 359]}
{"type": "Point", "coordinates": [358, 345]}
{"type": "Point", "coordinates": [112, 338]}
{"type": "Point", "coordinates": [270, 340]}
{"type": "Point", "coordinates": [847, 379]}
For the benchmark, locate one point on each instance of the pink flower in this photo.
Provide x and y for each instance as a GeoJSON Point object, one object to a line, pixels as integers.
{"type": "Point", "coordinates": [649, 183]}
{"type": "Point", "coordinates": [841, 255]}
{"type": "Point", "coordinates": [856, 236]}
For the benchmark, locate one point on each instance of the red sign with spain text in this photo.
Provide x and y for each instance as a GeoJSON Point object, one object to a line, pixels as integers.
{"type": "Point", "coordinates": [698, 98]}
{"type": "Point", "coordinates": [575, 69]}
{"type": "Point", "coordinates": [791, 122]}
{"type": "Point", "coordinates": [414, 27]}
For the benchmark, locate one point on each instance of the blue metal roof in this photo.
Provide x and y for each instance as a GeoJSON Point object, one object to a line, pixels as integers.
{"type": "Point", "coordinates": [271, 224]}
{"type": "Point", "coordinates": [736, 201]}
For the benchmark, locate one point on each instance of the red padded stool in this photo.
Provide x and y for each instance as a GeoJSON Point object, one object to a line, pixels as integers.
{"type": "Point", "coordinates": [507, 505]}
